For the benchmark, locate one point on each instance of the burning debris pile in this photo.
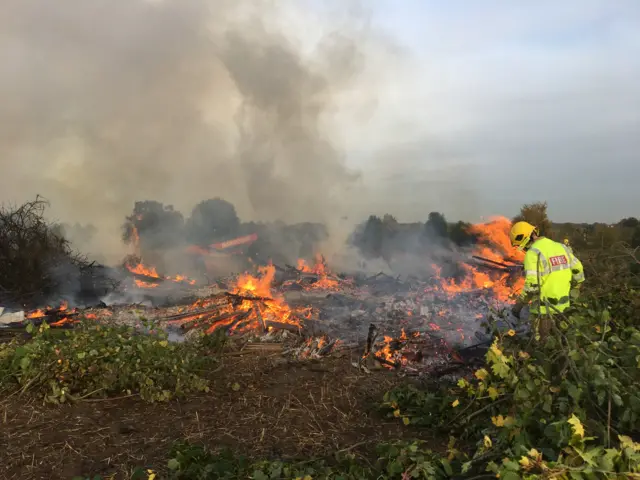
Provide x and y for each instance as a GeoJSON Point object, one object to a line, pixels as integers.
{"type": "Point", "coordinates": [251, 305]}
{"type": "Point", "coordinates": [420, 326]}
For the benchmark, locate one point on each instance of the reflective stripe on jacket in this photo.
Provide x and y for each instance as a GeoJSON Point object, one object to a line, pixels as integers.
{"type": "Point", "coordinates": [550, 268]}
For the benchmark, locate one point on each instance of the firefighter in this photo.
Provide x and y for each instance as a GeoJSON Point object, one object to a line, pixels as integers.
{"type": "Point", "coordinates": [551, 271]}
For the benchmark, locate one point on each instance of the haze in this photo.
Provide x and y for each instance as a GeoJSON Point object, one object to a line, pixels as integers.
{"type": "Point", "coordinates": [309, 110]}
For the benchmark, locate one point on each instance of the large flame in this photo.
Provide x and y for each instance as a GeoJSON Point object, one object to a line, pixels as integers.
{"type": "Point", "coordinates": [258, 306]}
{"type": "Point", "coordinates": [494, 244]}
{"type": "Point", "coordinates": [495, 233]}
{"type": "Point", "coordinates": [319, 268]}
{"type": "Point", "coordinates": [61, 311]}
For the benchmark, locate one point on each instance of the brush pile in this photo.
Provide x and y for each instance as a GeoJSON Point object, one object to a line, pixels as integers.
{"type": "Point", "coordinates": [37, 262]}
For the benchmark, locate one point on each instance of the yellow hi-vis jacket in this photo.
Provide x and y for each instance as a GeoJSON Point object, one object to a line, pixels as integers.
{"type": "Point", "coordinates": [550, 268]}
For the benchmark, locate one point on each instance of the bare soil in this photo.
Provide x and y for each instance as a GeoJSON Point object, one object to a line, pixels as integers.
{"type": "Point", "coordinates": [260, 406]}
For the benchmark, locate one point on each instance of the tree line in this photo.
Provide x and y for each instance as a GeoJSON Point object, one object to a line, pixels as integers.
{"type": "Point", "coordinates": [382, 237]}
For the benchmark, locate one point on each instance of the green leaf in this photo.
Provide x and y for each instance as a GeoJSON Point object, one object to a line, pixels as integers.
{"type": "Point", "coordinates": [493, 393]}
{"type": "Point", "coordinates": [447, 466]}
{"type": "Point", "coordinates": [500, 369]}
{"type": "Point", "coordinates": [606, 462]}
{"type": "Point", "coordinates": [508, 475]}
{"type": "Point", "coordinates": [574, 392]}
{"type": "Point", "coordinates": [29, 328]}
{"type": "Point", "coordinates": [511, 465]}
{"type": "Point", "coordinates": [173, 464]}
{"type": "Point", "coordinates": [258, 475]}
{"type": "Point", "coordinates": [81, 355]}
{"type": "Point", "coordinates": [235, 387]}
{"type": "Point", "coordinates": [25, 362]}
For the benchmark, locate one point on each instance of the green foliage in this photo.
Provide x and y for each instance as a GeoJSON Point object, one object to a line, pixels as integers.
{"type": "Point", "coordinates": [524, 411]}
{"type": "Point", "coordinates": [98, 360]}
{"type": "Point", "coordinates": [399, 460]}
{"type": "Point", "coordinates": [535, 214]}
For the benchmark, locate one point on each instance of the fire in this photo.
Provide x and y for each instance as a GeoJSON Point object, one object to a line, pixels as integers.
{"type": "Point", "coordinates": [182, 278]}
{"type": "Point", "coordinates": [135, 237]}
{"type": "Point", "coordinates": [386, 353]}
{"type": "Point", "coordinates": [151, 272]}
{"type": "Point", "coordinates": [55, 313]}
{"type": "Point", "coordinates": [391, 351]}
{"type": "Point", "coordinates": [496, 233]}
{"type": "Point", "coordinates": [140, 269]}
{"type": "Point", "coordinates": [141, 284]}
{"type": "Point", "coordinates": [495, 245]}
{"type": "Point", "coordinates": [253, 306]}
{"type": "Point", "coordinates": [320, 269]}
{"type": "Point", "coordinates": [257, 286]}
{"type": "Point", "coordinates": [273, 307]}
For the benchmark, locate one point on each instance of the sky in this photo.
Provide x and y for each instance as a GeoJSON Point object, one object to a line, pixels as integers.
{"type": "Point", "coordinates": [322, 109]}
{"type": "Point", "coordinates": [533, 100]}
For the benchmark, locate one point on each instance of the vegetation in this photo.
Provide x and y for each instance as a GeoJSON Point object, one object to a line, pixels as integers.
{"type": "Point", "coordinates": [536, 214]}
{"type": "Point", "coordinates": [37, 262]}
{"type": "Point", "coordinates": [154, 229]}
{"type": "Point", "coordinates": [565, 408]}
{"type": "Point", "coordinates": [93, 360]}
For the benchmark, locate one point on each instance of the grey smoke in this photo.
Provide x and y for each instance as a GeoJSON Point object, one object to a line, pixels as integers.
{"type": "Point", "coordinates": [108, 102]}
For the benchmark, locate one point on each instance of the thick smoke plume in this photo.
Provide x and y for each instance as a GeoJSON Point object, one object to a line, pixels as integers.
{"type": "Point", "coordinates": [106, 103]}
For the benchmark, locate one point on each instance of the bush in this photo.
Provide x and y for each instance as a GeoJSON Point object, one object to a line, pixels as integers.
{"type": "Point", "coordinates": [395, 460]}
{"type": "Point", "coordinates": [527, 412]}
{"type": "Point", "coordinates": [37, 261]}
{"type": "Point", "coordinates": [95, 360]}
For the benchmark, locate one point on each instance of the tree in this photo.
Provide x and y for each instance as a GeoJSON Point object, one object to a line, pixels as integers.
{"type": "Point", "coordinates": [460, 234]}
{"type": "Point", "coordinates": [635, 239]}
{"type": "Point", "coordinates": [369, 238]}
{"type": "Point", "coordinates": [535, 214]}
{"type": "Point", "coordinates": [436, 226]}
{"type": "Point", "coordinates": [153, 225]}
{"type": "Point", "coordinates": [631, 222]}
{"type": "Point", "coordinates": [212, 220]}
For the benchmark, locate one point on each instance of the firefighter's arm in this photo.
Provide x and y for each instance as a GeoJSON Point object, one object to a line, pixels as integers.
{"type": "Point", "coordinates": [577, 270]}
{"type": "Point", "coordinates": [531, 287]}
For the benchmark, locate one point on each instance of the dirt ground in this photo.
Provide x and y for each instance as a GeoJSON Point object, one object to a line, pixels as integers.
{"type": "Point", "coordinates": [280, 410]}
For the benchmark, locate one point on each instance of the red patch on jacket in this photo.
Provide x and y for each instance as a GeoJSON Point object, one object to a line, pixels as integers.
{"type": "Point", "coordinates": [559, 260]}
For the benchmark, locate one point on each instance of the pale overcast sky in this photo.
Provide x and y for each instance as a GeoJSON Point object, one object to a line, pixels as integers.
{"type": "Point", "coordinates": [538, 100]}
{"type": "Point", "coordinates": [467, 107]}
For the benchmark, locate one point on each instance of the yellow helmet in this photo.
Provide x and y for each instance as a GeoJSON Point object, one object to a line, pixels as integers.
{"type": "Point", "coordinates": [521, 234]}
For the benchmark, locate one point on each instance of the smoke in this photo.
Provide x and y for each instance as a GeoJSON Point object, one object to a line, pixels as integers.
{"type": "Point", "coordinates": [106, 103]}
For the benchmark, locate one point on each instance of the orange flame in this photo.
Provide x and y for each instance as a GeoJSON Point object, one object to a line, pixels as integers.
{"type": "Point", "coordinates": [141, 284]}
{"type": "Point", "coordinates": [140, 269]}
{"type": "Point", "coordinates": [320, 269]}
{"type": "Point", "coordinates": [496, 234]}
{"type": "Point", "coordinates": [267, 307]}
{"type": "Point", "coordinates": [495, 245]}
